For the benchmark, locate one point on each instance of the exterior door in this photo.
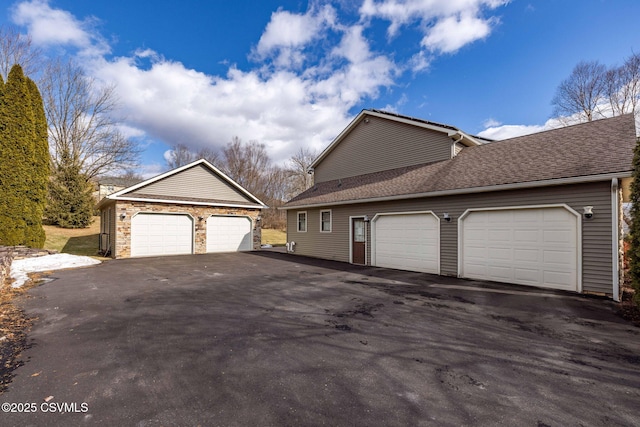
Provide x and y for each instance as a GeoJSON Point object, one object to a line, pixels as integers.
{"type": "Point", "coordinates": [161, 234]}
{"type": "Point", "coordinates": [228, 234]}
{"type": "Point", "coordinates": [358, 241]}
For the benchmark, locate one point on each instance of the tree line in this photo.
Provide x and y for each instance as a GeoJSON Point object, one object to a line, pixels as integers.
{"type": "Point", "coordinates": [249, 164]}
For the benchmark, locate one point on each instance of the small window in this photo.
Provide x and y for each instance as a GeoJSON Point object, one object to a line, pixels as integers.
{"type": "Point", "coordinates": [325, 221]}
{"type": "Point", "coordinates": [302, 222]}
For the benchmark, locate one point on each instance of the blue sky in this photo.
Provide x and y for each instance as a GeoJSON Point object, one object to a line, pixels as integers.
{"type": "Point", "coordinates": [294, 73]}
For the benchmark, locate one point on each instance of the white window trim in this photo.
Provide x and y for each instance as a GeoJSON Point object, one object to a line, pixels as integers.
{"type": "Point", "coordinates": [306, 221]}
{"type": "Point", "coordinates": [330, 221]}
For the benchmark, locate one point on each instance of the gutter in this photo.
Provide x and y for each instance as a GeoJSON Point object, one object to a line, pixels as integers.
{"type": "Point", "coordinates": [472, 190]}
{"type": "Point", "coordinates": [615, 239]}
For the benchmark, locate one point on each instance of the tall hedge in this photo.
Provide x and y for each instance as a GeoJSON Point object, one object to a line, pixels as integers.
{"type": "Point", "coordinates": [634, 229]}
{"type": "Point", "coordinates": [22, 174]}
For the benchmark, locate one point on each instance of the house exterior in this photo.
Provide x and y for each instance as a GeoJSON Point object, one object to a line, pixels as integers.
{"type": "Point", "coordinates": [542, 210]}
{"type": "Point", "coordinates": [192, 209]}
{"type": "Point", "coordinates": [104, 186]}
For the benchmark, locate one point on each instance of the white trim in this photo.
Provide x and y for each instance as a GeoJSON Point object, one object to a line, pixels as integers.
{"type": "Point", "coordinates": [450, 132]}
{"type": "Point", "coordinates": [373, 232]}
{"type": "Point", "coordinates": [186, 202]}
{"type": "Point", "coordinates": [206, 230]}
{"type": "Point", "coordinates": [193, 229]}
{"type": "Point", "coordinates": [306, 221]}
{"type": "Point", "coordinates": [117, 194]}
{"type": "Point", "coordinates": [472, 190]}
{"type": "Point", "coordinates": [615, 240]}
{"type": "Point", "coordinates": [555, 205]}
{"type": "Point", "coordinates": [330, 221]}
{"type": "Point", "coordinates": [351, 218]}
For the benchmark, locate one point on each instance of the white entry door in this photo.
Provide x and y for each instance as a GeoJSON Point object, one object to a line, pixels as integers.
{"type": "Point", "coordinates": [229, 234]}
{"type": "Point", "coordinates": [408, 241]}
{"type": "Point", "coordinates": [537, 247]}
{"type": "Point", "coordinates": [161, 234]}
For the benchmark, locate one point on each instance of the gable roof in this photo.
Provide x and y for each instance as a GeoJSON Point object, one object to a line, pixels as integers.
{"type": "Point", "coordinates": [586, 152]}
{"type": "Point", "coordinates": [240, 196]}
{"type": "Point", "coordinates": [451, 131]}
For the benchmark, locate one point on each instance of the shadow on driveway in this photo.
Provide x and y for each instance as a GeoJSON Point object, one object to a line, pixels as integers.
{"type": "Point", "coordinates": [273, 339]}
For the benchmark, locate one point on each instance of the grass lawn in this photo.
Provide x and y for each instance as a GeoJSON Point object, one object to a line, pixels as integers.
{"type": "Point", "coordinates": [274, 237]}
{"type": "Point", "coordinates": [75, 241]}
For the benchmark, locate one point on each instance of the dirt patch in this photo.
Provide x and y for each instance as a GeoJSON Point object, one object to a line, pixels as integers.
{"type": "Point", "coordinates": [627, 309]}
{"type": "Point", "coordinates": [14, 325]}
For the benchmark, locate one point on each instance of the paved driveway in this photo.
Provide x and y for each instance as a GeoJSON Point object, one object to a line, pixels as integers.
{"type": "Point", "coordinates": [270, 339]}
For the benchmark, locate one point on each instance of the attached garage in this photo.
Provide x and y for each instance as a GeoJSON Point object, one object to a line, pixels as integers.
{"type": "Point", "coordinates": [229, 234]}
{"type": "Point", "coordinates": [154, 234]}
{"type": "Point", "coordinates": [406, 241]}
{"type": "Point", "coordinates": [529, 246]}
{"type": "Point", "coordinates": [193, 209]}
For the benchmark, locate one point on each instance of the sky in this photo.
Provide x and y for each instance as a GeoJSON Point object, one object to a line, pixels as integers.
{"type": "Point", "coordinates": [292, 74]}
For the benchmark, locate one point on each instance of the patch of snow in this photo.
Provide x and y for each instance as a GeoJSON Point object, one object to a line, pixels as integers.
{"type": "Point", "coordinates": [266, 246]}
{"type": "Point", "coordinates": [21, 267]}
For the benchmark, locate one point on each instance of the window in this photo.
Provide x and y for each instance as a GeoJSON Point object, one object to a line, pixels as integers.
{"type": "Point", "coordinates": [302, 222]}
{"type": "Point", "coordinates": [325, 221]}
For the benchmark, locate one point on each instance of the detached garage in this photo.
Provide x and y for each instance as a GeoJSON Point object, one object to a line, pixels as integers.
{"type": "Point", "coordinates": [192, 209]}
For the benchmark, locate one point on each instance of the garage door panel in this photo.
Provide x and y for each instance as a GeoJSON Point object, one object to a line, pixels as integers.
{"type": "Point", "coordinates": [407, 242]}
{"type": "Point", "coordinates": [161, 234]}
{"type": "Point", "coordinates": [228, 234]}
{"type": "Point", "coordinates": [527, 246]}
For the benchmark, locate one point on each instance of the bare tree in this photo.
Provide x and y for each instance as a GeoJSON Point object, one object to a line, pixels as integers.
{"type": "Point", "coordinates": [582, 93]}
{"type": "Point", "coordinates": [16, 48]}
{"type": "Point", "coordinates": [623, 86]}
{"type": "Point", "coordinates": [299, 173]}
{"type": "Point", "coordinates": [247, 163]}
{"type": "Point", "coordinates": [81, 121]}
{"type": "Point", "coordinates": [181, 155]}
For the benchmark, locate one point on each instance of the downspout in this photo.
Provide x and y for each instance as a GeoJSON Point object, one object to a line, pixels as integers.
{"type": "Point", "coordinates": [615, 239]}
{"type": "Point", "coordinates": [453, 145]}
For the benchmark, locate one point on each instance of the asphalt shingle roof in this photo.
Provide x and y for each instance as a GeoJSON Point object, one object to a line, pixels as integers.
{"type": "Point", "coordinates": [595, 148]}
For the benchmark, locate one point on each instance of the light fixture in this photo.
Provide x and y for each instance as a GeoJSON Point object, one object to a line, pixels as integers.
{"type": "Point", "coordinates": [588, 212]}
{"type": "Point", "coordinates": [200, 218]}
{"type": "Point", "coordinates": [446, 217]}
{"type": "Point", "coordinates": [366, 218]}
{"type": "Point", "coordinates": [258, 218]}
{"type": "Point", "coordinates": [123, 215]}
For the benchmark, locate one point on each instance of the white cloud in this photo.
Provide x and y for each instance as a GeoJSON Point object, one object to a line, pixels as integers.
{"type": "Point", "coordinates": [489, 123]}
{"type": "Point", "coordinates": [447, 25]}
{"type": "Point", "coordinates": [48, 26]}
{"type": "Point", "coordinates": [287, 34]}
{"type": "Point", "coordinates": [499, 132]}
{"type": "Point", "coordinates": [286, 100]}
{"type": "Point", "coordinates": [453, 32]}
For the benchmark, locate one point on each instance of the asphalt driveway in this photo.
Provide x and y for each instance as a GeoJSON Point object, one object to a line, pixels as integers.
{"type": "Point", "coordinates": [271, 339]}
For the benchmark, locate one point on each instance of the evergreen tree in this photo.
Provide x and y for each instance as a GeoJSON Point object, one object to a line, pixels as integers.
{"type": "Point", "coordinates": [24, 157]}
{"type": "Point", "coordinates": [34, 233]}
{"type": "Point", "coordinates": [634, 229]}
{"type": "Point", "coordinates": [17, 158]}
{"type": "Point", "coordinates": [70, 203]}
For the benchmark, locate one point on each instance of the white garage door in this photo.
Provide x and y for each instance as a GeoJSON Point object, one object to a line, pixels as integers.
{"type": "Point", "coordinates": [161, 234]}
{"type": "Point", "coordinates": [228, 234]}
{"type": "Point", "coordinates": [407, 242]}
{"type": "Point", "coordinates": [535, 247]}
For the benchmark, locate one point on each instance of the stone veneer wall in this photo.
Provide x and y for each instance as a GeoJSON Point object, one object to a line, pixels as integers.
{"type": "Point", "coordinates": [123, 227]}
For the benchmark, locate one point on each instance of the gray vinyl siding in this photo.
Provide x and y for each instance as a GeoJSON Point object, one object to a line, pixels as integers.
{"type": "Point", "coordinates": [596, 232]}
{"type": "Point", "coordinates": [196, 182]}
{"type": "Point", "coordinates": [372, 147]}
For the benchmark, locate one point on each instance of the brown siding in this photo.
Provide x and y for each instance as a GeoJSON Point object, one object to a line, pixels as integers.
{"type": "Point", "coordinates": [596, 233]}
{"type": "Point", "coordinates": [196, 182]}
{"type": "Point", "coordinates": [375, 146]}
